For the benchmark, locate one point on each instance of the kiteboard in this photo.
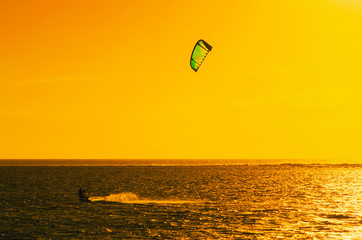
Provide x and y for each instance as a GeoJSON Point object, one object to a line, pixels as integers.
{"type": "Point", "coordinates": [84, 199]}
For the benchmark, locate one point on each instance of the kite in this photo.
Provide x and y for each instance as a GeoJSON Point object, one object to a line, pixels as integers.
{"type": "Point", "coordinates": [199, 53]}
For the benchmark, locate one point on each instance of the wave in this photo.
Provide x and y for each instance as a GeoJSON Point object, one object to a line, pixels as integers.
{"type": "Point", "coordinates": [129, 197]}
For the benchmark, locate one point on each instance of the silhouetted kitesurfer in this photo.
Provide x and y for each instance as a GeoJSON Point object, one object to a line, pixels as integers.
{"type": "Point", "coordinates": [82, 196]}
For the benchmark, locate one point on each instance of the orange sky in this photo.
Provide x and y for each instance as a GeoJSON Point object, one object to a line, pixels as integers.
{"type": "Point", "coordinates": [111, 79]}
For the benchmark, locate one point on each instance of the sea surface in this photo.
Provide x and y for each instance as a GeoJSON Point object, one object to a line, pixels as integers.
{"type": "Point", "coordinates": [182, 202]}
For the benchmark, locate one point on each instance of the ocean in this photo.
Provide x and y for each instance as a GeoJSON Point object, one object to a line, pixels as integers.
{"type": "Point", "coordinates": [182, 202]}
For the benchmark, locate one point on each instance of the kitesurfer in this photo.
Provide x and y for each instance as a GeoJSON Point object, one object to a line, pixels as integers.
{"type": "Point", "coordinates": [82, 197]}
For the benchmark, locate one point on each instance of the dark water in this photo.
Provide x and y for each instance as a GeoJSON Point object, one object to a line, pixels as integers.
{"type": "Point", "coordinates": [182, 202]}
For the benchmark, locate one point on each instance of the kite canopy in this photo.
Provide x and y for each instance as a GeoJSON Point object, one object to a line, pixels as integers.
{"type": "Point", "coordinates": [199, 53]}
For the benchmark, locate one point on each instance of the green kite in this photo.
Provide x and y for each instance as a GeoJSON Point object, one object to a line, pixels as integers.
{"type": "Point", "coordinates": [199, 53]}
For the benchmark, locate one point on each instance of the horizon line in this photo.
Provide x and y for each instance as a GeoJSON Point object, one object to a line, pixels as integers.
{"type": "Point", "coordinates": [168, 162]}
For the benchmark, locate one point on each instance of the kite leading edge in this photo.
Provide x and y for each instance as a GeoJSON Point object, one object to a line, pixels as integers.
{"type": "Point", "coordinates": [199, 53]}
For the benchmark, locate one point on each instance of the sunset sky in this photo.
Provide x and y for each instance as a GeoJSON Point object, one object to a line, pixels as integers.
{"type": "Point", "coordinates": [111, 79]}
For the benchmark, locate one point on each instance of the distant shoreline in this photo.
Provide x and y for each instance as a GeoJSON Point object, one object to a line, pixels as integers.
{"type": "Point", "coordinates": [169, 162]}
